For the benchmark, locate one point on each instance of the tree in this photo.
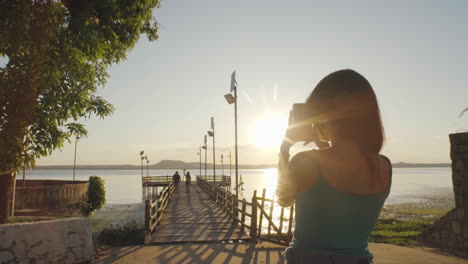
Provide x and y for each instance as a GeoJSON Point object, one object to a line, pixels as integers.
{"type": "Point", "coordinates": [58, 54]}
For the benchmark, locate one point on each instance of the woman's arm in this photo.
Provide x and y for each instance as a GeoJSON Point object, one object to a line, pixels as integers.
{"type": "Point", "coordinates": [286, 188]}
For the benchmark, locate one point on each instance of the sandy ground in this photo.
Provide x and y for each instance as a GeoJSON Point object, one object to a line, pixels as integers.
{"type": "Point", "coordinates": [257, 253]}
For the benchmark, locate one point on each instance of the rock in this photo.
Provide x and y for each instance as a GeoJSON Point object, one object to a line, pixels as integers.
{"type": "Point", "coordinates": [6, 257]}
{"type": "Point", "coordinates": [57, 241]}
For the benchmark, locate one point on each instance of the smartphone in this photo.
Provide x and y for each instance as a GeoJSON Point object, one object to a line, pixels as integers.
{"type": "Point", "coordinates": [302, 114]}
{"type": "Point", "coordinates": [301, 120]}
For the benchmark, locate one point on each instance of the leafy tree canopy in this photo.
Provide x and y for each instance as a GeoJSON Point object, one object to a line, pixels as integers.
{"type": "Point", "coordinates": [58, 54]}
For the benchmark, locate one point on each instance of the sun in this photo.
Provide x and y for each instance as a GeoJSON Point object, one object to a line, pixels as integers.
{"type": "Point", "coordinates": [269, 131]}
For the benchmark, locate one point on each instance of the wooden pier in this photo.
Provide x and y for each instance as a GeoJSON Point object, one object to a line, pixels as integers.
{"type": "Point", "coordinates": [206, 211]}
{"type": "Point", "coordinates": [192, 216]}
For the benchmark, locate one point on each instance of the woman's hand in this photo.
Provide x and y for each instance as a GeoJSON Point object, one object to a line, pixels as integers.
{"type": "Point", "coordinates": [305, 134]}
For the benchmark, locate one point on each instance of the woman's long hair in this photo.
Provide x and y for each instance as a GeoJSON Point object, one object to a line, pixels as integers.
{"type": "Point", "coordinates": [347, 99]}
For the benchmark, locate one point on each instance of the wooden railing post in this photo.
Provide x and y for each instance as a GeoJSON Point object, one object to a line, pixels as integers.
{"type": "Point", "coordinates": [226, 202]}
{"type": "Point", "coordinates": [148, 216]}
{"type": "Point", "coordinates": [253, 219]}
{"type": "Point", "coordinates": [271, 216]}
{"type": "Point", "coordinates": [281, 222]}
{"type": "Point", "coordinates": [156, 207]}
{"type": "Point", "coordinates": [244, 205]}
{"type": "Point", "coordinates": [262, 207]}
{"type": "Point", "coordinates": [291, 211]}
{"type": "Point", "coordinates": [235, 209]}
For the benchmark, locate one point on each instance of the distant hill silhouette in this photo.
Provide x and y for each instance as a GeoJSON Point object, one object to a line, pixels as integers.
{"type": "Point", "coordinates": [179, 165]}
{"type": "Point", "coordinates": [420, 165]}
{"type": "Point", "coordinates": [162, 165]}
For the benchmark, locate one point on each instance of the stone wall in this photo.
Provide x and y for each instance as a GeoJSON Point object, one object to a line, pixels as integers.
{"type": "Point", "coordinates": [451, 230]}
{"type": "Point", "coordinates": [53, 195]}
{"type": "Point", "coordinates": [57, 241]}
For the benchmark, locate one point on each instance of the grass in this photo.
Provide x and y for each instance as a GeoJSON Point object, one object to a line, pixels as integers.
{"type": "Point", "coordinates": [131, 233]}
{"type": "Point", "coordinates": [415, 211]}
{"type": "Point", "coordinates": [398, 232]}
{"type": "Point", "coordinates": [400, 224]}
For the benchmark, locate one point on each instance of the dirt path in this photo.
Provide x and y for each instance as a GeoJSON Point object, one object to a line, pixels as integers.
{"type": "Point", "coordinates": [257, 253]}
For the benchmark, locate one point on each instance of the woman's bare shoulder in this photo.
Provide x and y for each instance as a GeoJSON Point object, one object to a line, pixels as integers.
{"type": "Point", "coordinates": [304, 158]}
{"type": "Point", "coordinates": [386, 163]}
{"type": "Point", "coordinates": [303, 168]}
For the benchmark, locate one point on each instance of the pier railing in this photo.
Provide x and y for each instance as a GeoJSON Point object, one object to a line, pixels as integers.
{"type": "Point", "coordinates": [156, 180]}
{"type": "Point", "coordinates": [257, 216]}
{"type": "Point", "coordinates": [154, 209]}
{"type": "Point", "coordinates": [273, 227]}
{"type": "Point", "coordinates": [222, 180]}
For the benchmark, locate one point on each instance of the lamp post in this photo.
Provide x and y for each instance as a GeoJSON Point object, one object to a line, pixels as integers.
{"type": "Point", "coordinates": [211, 133]}
{"type": "Point", "coordinates": [147, 165]}
{"type": "Point", "coordinates": [74, 162]}
{"type": "Point", "coordinates": [222, 164]}
{"type": "Point", "coordinates": [205, 147]}
{"type": "Point", "coordinates": [142, 158]}
{"type": "Point", "coordinates": [233, 100]}
{"type": "Point", "coordinates": [199, 154]}
{"type": "Point", "coordinates": [230, 161]}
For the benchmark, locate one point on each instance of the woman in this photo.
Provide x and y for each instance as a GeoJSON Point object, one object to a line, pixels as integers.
{"type": "Point", "coordinates": [340, 189]}
{"type": "Point", "coordinates": [188, 178]}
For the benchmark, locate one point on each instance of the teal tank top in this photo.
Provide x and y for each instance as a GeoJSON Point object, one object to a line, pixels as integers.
{"type": "Point", "coordinates": [331, 222]}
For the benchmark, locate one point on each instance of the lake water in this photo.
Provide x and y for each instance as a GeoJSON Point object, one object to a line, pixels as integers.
{"type": "Point", "coordinates": [124, 186]}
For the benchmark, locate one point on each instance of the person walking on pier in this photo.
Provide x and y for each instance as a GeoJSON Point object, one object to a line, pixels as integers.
{"type": "Point", "coordinates": [340, 189]}
{"type": "Point", "coordinates": [176, 181]}
{"type": "Point", "coordinates": [188, 178]}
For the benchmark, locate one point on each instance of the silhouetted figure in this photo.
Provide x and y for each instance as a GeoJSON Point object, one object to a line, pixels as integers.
{"type": "Point", "coordinates": [176, 181]}
{"type": "Point", "coordinates": [339, 190]}
{"type": "Point", "coordinates": [188, 178]}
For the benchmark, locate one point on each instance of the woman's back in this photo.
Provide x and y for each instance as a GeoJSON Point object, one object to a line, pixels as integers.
{"type": "Point", "coordinates": [335, 221]}
{"type": "Point", "coordinates": [339, 190]}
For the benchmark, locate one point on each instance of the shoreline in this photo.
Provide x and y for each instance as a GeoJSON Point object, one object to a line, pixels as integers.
{"type": "Point", "coordinates": [178, 165]}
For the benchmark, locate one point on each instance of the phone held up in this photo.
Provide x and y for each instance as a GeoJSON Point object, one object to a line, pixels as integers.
{"type": "Point", "coordinates": [302, 115]}
{"type": "Point", "coordinates": [301, 121]}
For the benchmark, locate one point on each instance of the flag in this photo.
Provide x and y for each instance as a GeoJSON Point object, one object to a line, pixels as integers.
{"type": "Point", "coordinates": [212, 123]}
{"type": "Point", "coordinates": [233, 81]}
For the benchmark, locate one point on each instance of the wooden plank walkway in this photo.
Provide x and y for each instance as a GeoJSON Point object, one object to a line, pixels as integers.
{"type": "Point", "coordinates": [192, 216]}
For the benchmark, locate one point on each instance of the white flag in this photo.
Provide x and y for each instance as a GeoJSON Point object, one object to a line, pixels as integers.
{"type": "Point", "coordinates": [212, 123]}
{"type": "Point", "coordinates": [205, 140]}
{"type": "Point", "coordinates": [233, 81]}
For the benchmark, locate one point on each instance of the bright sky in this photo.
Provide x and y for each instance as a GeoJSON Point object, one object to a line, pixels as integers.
{"type": "Point", "coordinates": [414, 53]}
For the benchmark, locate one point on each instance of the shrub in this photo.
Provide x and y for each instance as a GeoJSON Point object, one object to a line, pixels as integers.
{"type": "Point", "coordinates": [96, 195]}
{"type": "Point", "coordinates": [124, 235]}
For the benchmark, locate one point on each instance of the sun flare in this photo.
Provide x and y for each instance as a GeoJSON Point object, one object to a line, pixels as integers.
{"type": "Point", "coordinates": [269, 131]}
